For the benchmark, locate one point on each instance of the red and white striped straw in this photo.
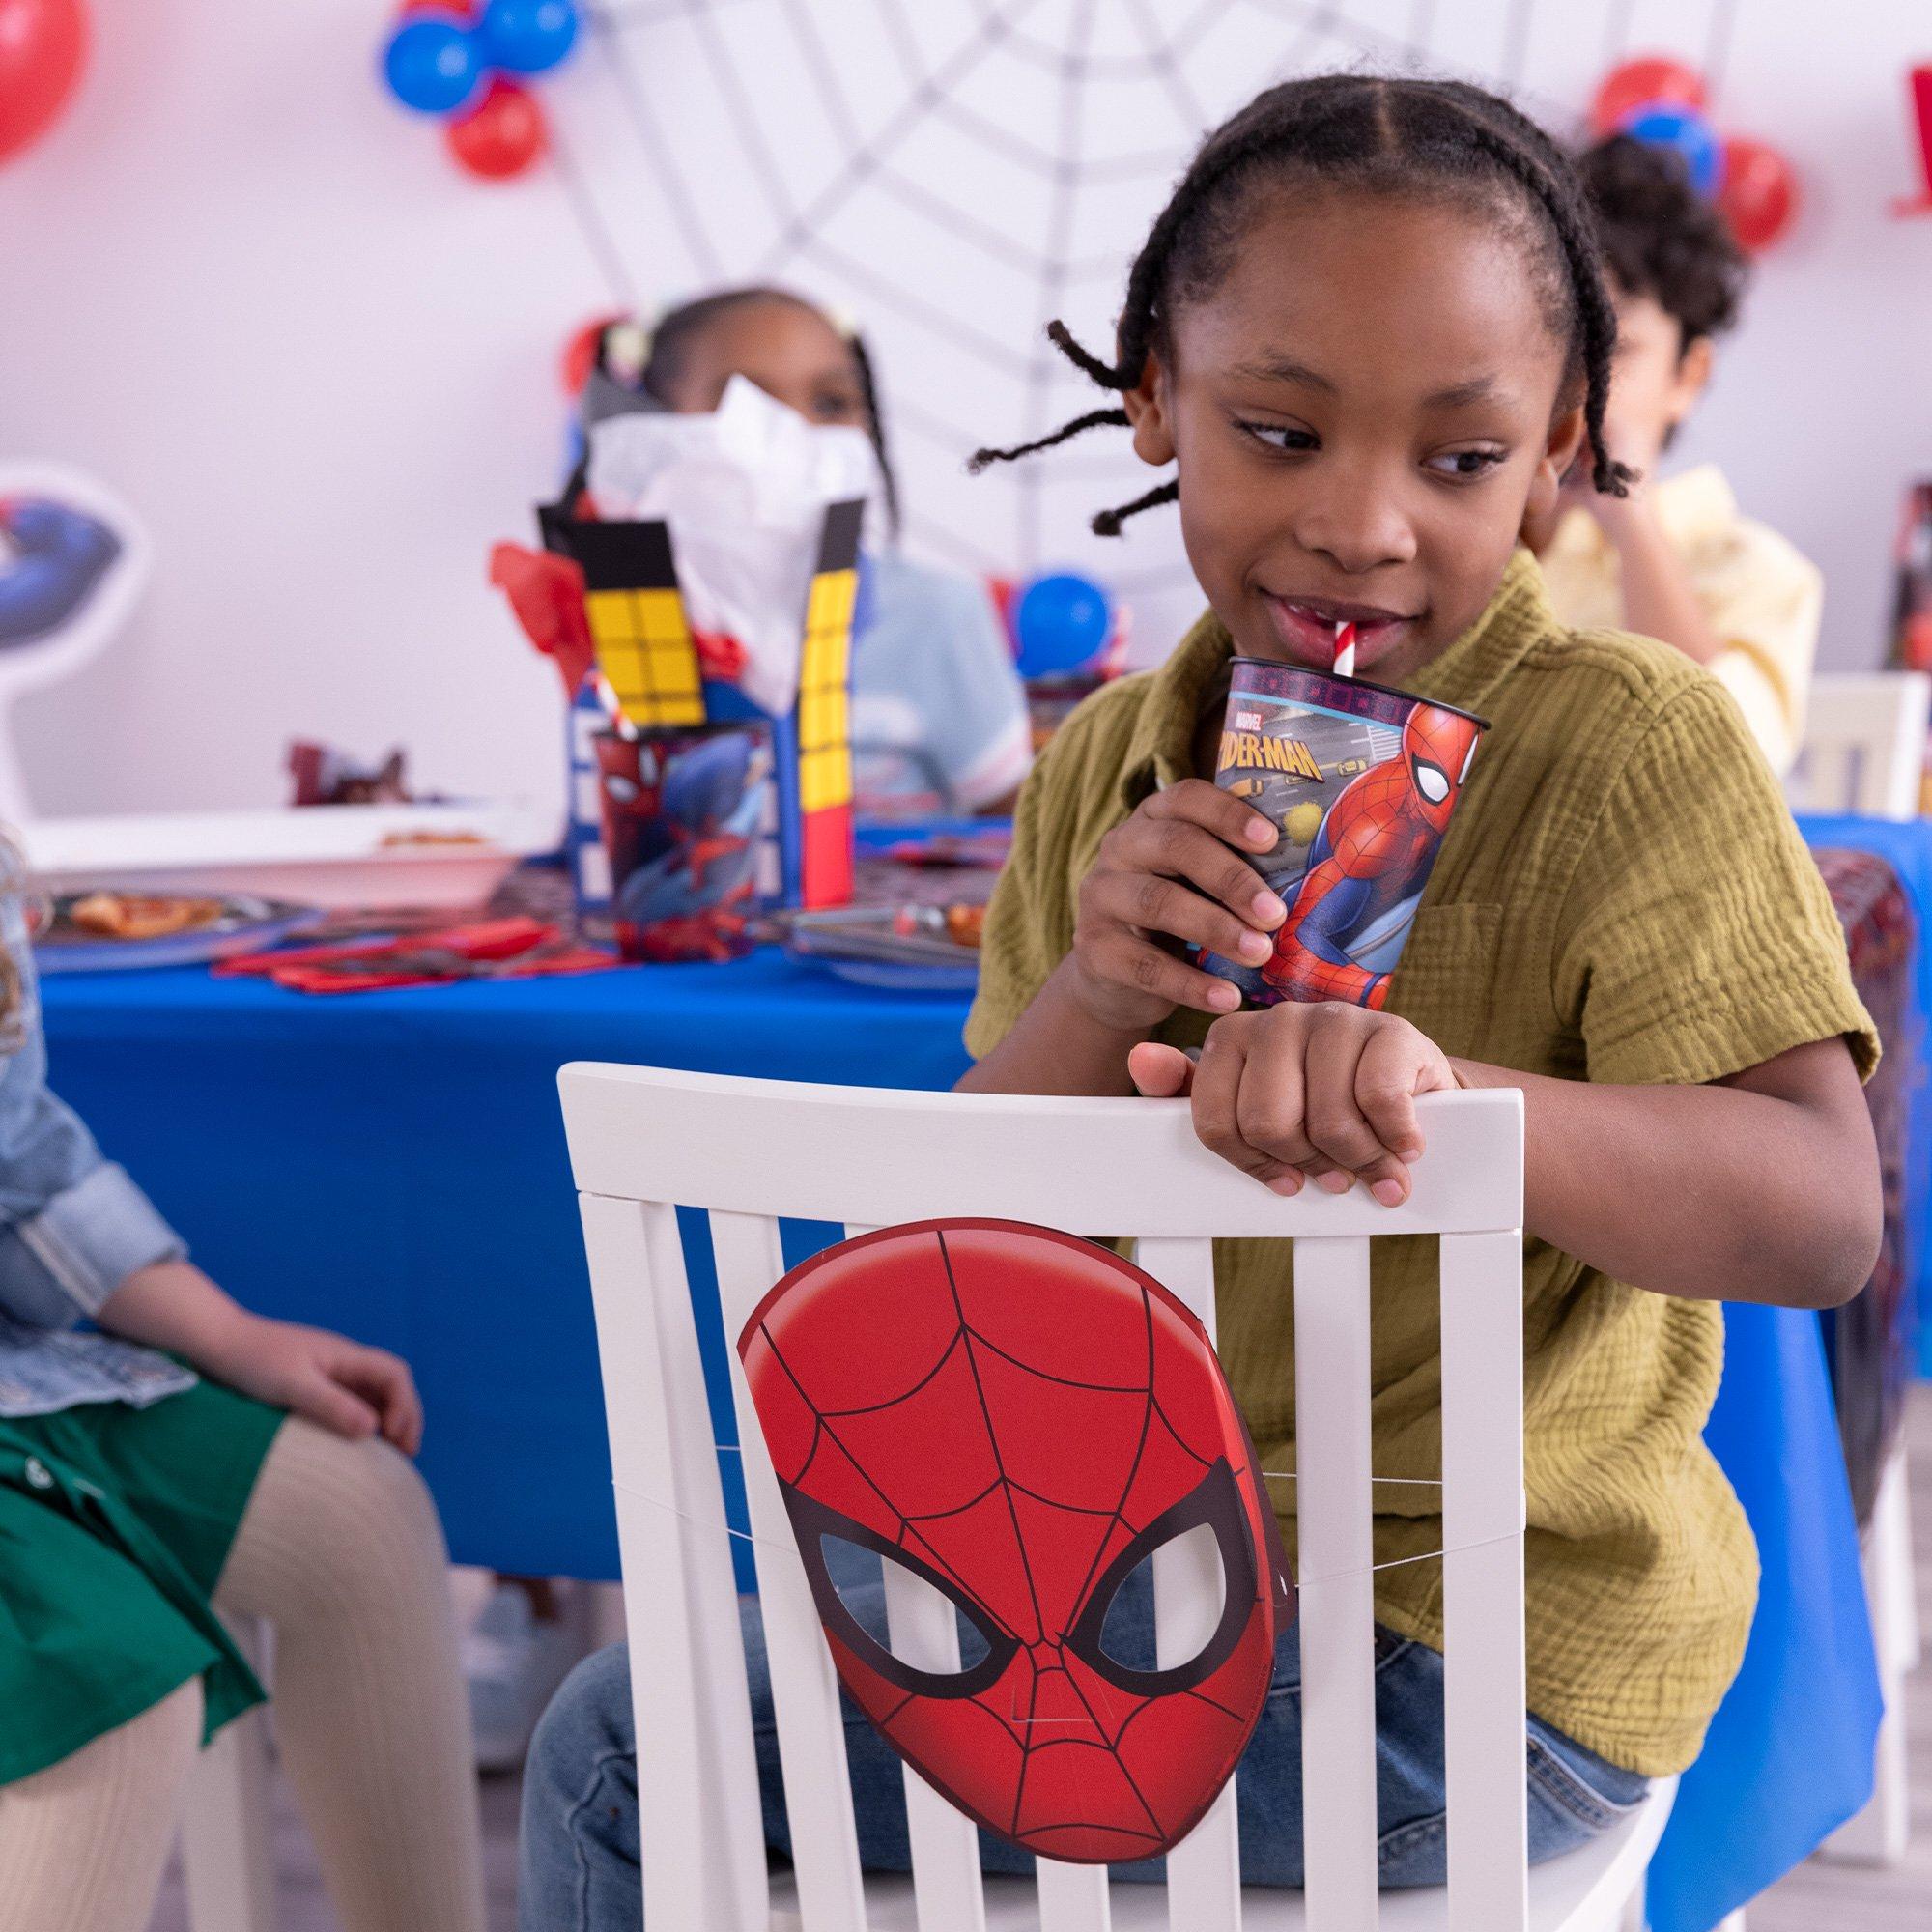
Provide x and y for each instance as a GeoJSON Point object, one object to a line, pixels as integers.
{"type": "Point", "coordinates": [1345, 651]}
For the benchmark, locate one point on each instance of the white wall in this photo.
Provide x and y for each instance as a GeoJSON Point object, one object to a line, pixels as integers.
{"type": "Point", "coordinates": [258, 300]}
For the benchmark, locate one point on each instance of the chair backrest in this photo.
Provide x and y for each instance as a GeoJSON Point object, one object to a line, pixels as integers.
{"type": "Point", "coordinates": [66, 650]}
{"type": "Point", "coordinates": [753, 1152]}
{"type": "Point", "coordinates": [1865, 745]}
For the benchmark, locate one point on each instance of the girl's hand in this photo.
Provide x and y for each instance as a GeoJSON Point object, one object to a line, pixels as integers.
{"type": "Point", "coordinates": [342, 1384]}
{"type": "Point", "coordinates": [328, 1378]}
{"type": "Point", "coordinates": [1323, 1091]}
{"type": "Point", "coordinates": [1174, 871]}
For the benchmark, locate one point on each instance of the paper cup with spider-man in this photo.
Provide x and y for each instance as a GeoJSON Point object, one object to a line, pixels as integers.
{"type": "Point", "coordinates": [1361, 782]}
{"type": "Point", "coordinates": [684, 821]}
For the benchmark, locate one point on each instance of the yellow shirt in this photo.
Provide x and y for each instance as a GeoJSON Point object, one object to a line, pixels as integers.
{"type": "Point", "coordinates": [1621, 896]}
{"type": "Point", "coordinates": [1760, 596]}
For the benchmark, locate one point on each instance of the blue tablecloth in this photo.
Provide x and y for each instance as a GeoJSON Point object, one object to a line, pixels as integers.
{"type": "Point", "coordinates": [1906, 845]}
{"type": "Point", "coordinates": [393, 1164]}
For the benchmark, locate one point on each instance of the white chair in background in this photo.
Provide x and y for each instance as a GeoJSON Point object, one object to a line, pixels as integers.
{"type": "Point", "coordinates": [227, 1847]}
{"type": "Point", "coordinates": [62, 653]}
{"type": "Point", "coordinates": [643, 1140]}
{"type": "Point", "coordinates": [1865, 751]}
{"type": "Point", "coordinates": [1864, 748]}
{"type": "Point", "coordinates": [1881, 1833]}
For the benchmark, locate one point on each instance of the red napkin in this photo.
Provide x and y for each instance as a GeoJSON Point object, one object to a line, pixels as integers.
{"type": "Point", "coordinates": [546, 591]}
{"type": "Point", "coordinates": [496, 949]}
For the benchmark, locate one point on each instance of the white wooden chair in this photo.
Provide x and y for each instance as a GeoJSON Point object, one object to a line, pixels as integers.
{"type": "Point", "coordinates": [749, 1151]}
{"type": "Point", "coordinates": [227, 1848]}
{"type": "Point", "coordinates": [1864, 748]}
{"type": "Point", "coordinates": [64, 653]}
{"type": "Point", "coordinates": [1881, 1833]}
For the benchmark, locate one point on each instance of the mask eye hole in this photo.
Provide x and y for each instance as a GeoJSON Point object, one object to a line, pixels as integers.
{"type": "Point", "coordinates": [1116, 1637]}
{"type": "Point", "coordinates": [858, 1574]}
{"type": "Point", "coordinates": [622, 788]}
{"type": "Point", "coordinates": [1431, 781]}
{"type": "Point", "coordinates": [844, 1565]}
{"type": "Point", "coordinates": [1128, 1632]}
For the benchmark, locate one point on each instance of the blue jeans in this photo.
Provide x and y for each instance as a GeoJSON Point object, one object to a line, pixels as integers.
{"type": "Point", "coordinates": [580, 1854]}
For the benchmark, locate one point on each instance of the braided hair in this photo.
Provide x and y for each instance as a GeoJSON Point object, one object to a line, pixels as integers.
{"type": "Point", "coordinates": [1444, 139]}
{"type": "Point", "coordinates": [680, 329]}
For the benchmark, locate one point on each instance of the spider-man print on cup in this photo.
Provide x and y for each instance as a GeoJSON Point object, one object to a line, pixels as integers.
{"type": "Point", "coordinates": [1023, 1419]}
{"type": "Point", "coordinates": [682, 818]}
{"type": "Point", "coordinates": [1361, 781]}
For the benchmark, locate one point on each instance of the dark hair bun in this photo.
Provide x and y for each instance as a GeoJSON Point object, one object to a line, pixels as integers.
{"type": "Point", "coordinates": [1661, 238]}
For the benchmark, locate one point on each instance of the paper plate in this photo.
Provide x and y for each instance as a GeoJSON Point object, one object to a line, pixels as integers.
{"type": "Point", "coordinates": [246, 925]}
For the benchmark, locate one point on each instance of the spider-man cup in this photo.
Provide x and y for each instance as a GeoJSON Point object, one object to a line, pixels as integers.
{"type": "Point", "coordinates": [684, 817]}
{"type": "Point", "coordinates": [1361, 781]}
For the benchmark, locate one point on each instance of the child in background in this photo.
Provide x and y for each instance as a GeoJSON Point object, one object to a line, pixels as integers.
{"type": "Point", "coordinates": [141, 1502]}
{"type": "Point", "coordinates": [1371, 331]}
{"type": "Point", "coordinates": [939, 728]}
{"type": "Point", "coordinates": [939, 721]}
{"type": "Point", "coordinates": [1674, 558]}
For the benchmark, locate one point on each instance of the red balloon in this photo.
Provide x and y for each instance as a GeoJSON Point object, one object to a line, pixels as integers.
{"type": "Point", "coordinates": [1639, 83]}
{"type": "Point", "coordinates": [1759, 194]}
{"type": "Point", "coordinates": [502, 134]}
{"type": "Point", "coordinates": [42, 48]}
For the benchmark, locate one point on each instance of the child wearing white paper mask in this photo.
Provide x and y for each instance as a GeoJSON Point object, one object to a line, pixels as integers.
{"type": "Point", "coordinates": [939, 720]}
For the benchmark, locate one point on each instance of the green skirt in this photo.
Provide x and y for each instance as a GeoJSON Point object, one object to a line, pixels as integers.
{"type": "Point", "coordinates": [115, 1524]}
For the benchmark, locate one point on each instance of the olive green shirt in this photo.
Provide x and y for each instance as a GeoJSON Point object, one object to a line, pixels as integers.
{"type": "Point", "coordinates": [1621, 896]}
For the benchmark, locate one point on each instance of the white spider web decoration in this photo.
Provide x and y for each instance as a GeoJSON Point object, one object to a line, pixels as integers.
{"type": "Point", "coordinates": [955, 173]}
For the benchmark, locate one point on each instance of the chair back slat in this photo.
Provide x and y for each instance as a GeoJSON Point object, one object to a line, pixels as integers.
{"type": "Point", "coordinates": [1482, 1581]}
{"type": "Point", "coordinates": [1073, 1899]}
{"type": "Point", "coordinates": [805, 1685]}
{"type": "Point", "coordinates": [1203, 1872]}
{"type": "Point", "coordinates": [1334, 1559]}
{"type": "Point", "coordinates": [751, 1151]}
{"type": "Point", "coordinates": [698, 1784]}
{"type": "Point", "coordinates": [925, 1631]}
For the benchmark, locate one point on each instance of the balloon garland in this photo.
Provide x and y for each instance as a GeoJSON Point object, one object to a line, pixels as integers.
{"type": "Point", "coordinates": [1664, 102]}
{"type": "Point", "coordinates": [467, 63]}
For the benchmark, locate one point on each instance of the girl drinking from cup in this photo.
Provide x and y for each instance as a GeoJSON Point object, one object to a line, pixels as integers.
{"type": "Point", "coordinates": [1367, 333]}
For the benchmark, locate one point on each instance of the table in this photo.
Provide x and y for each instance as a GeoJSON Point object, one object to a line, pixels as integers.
{"type": "Point", "coordinates": [393, 1164]}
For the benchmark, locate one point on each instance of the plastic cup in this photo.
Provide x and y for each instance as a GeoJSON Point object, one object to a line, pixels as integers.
{"type": "Point", "coordinates": [684, 813]}
{"type": "Point", "coordinates": [1360, 782]}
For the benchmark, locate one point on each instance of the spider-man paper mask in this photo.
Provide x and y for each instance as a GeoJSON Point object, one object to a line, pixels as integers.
{"type": "Point", "coordinates": [1022, 1419]}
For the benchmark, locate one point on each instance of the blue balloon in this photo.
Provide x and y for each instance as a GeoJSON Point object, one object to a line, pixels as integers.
{"type": "Point", "coordinates": [1665, 124]}
{"type": "Point", "coordinates": [528, 36]}
{"type": "Point", "coordinates": [433, 63]}
{"type": "Point", "coordinates": [1063, 623]}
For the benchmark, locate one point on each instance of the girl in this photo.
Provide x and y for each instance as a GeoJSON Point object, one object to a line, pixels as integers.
{"type": "Point", "coordinates": [939, 721]}
{"type": "Point", "coordinates": [1371, 334]}
{"type": "Point", "coordinates": [140, 1503]}
{"type": "Point", "coordinates": [1368, 331]}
